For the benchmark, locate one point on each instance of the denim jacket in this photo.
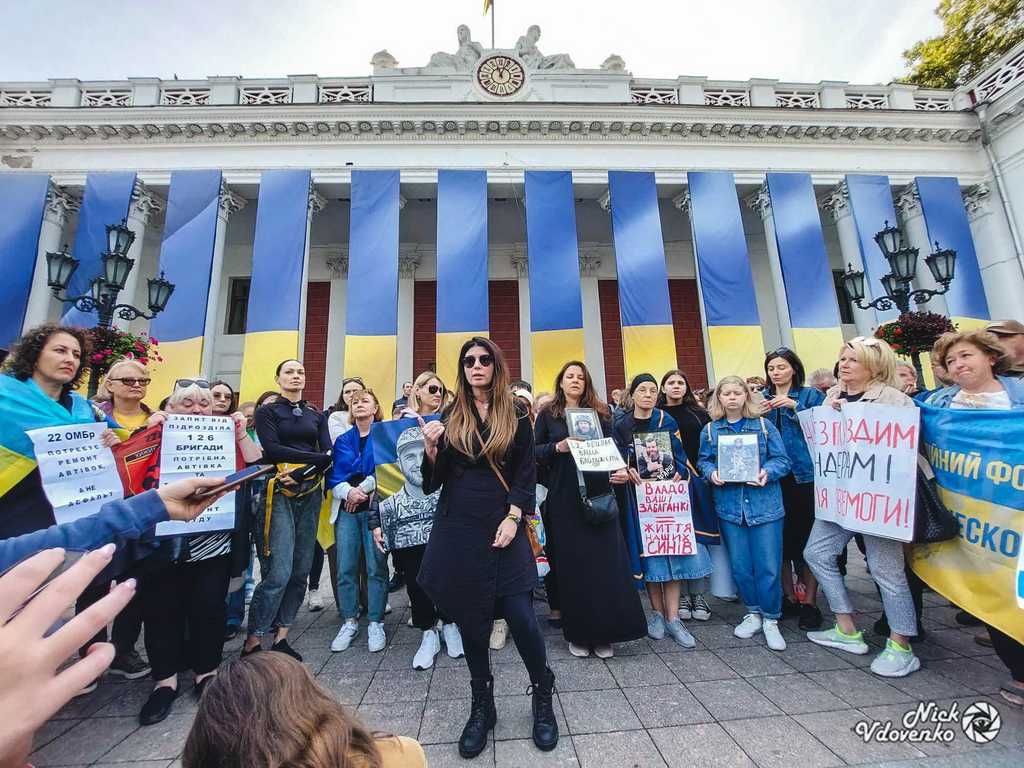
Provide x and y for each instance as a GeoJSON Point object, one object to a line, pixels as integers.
{"type": "Point", "coordinates": [739, 503]}
{"type": "Point", "coordinates": [1014, 389]}
{"type": "Point", "coordinates": [786, 421]}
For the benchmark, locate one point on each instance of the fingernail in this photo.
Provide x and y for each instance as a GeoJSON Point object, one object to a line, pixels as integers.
{"type": "Point", "coordinates": [107, 550]}
{"type": "Point", "coordinates": [129, 584]}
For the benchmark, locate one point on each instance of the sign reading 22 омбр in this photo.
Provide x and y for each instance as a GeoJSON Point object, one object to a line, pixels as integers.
{"type": "Point", "coordinates": [865, 466]}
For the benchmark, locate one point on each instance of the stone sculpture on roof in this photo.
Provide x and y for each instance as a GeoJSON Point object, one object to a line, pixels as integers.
{"type": "Point", "coordinates": [526, 49]}
{"type": "Point", "coordinates": [464, 59]}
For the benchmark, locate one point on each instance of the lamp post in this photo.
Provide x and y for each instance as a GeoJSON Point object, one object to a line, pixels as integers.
{"type": "Point", "coordinates": [104, 289]}
{"type": "Point", "coordinates": [902, 271]}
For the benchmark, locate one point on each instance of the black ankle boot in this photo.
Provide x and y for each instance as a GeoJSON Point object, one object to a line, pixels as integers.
{"type": "Point", "coordinates": [545, 727]}
{"type": "Point", "coordinates": [482, 717]}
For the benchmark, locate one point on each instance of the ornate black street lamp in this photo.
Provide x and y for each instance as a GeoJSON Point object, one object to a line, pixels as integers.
{"type": "Point", "coordinates": [104, 289]}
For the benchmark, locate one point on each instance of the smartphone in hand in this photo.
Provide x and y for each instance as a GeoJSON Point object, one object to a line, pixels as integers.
{"type": "Point", "coordinates": [234, 482]}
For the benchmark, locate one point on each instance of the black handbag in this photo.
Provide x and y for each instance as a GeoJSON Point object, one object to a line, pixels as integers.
{"type": "Point", "coordinates": [596, 510]}
{"type": "Point", "coordinates": [933, 522]}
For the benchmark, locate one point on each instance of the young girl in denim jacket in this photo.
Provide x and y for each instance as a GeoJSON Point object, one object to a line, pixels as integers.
{"type": "Point", "coordinates": [750, 514]}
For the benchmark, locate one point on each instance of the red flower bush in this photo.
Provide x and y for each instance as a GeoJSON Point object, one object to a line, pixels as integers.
{"type": "Point", "coordinates": [914, 332]}
{"type": "Point", "coordinates": [112, 344]}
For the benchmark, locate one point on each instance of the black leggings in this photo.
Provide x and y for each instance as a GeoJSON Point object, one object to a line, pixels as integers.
{"type": "Point", "coordinates": [517, 610]}
{"type": "Point", "coordinates": [1010, 652]}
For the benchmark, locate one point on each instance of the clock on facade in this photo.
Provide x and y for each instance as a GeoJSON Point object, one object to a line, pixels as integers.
{"type": "Point", "coordinates": [501, 75]}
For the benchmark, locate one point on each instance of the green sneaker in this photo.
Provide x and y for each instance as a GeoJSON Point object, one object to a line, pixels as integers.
{"type": "Point", "coordinates": [836, 638]}
{"type": "Point", "coordinates": [895, 661]}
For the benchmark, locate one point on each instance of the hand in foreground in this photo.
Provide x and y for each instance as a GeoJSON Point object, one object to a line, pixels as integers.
{"type": "Point", "coordinates": [356, 496]}
{"type": "Point", "coordinates": [619, 477]}
{"type": "Point", "coordinates": [378, 539]}
{"type": "Point", "coordinates": [108, 438]}
{"type": "Point", "coordinates": [157, 417]}
{"type": "Point", "coordinates": [715, 479]}
{"type": "Point", "coordinates": [782, 401]}
{"type": "Point", "coordinates": [180, 500]}
{"type": "Point", "coordinates": [634, 476]}
{"type": "Point", "coordinates": [762, 479]}
{"type": "Point", "coordinates": [506, 532]}
{"type": "Point", "coordinates": [31, 687]}
{"type": "Point", "coordinates": [432, 432]}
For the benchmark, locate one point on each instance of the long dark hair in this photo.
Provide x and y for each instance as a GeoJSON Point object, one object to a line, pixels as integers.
{"type": "Point", "coordinates": [794, 362]}
{"type": "Point", "coordinates": [502, 419]}
{"type": "Point", "coordinates": [589, 399]}
{"type": "Point", "coordinates": [689, 399]}
{"type": "Point", "coordinates": [234, 395]}
{"type": "Point", "coordinates": [341, 405]}
{"type": "Point", "coordinates": [26, 351]}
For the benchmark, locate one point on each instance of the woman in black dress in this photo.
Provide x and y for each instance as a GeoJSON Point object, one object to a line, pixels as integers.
{"type": "Point", "coordinates": [594, 587]}
{"type": "Point", "coordinates": [478, 565]}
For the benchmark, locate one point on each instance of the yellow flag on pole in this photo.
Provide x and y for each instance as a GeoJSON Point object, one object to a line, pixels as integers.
{"type": "Point", "coordinates": [487, 6]}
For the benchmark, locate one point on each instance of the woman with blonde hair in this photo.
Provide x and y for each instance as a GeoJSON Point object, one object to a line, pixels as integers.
{"type": "Point", "coordinates": [478, 565]}
{"type": "Point", "coordinates": [121, 394]}
{"type": "Point", "coordinates": [867, 374]}
{"type": "Point", "coordinates": [289, 720]}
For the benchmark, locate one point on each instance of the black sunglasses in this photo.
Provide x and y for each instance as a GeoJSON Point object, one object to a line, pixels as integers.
{"type": "Point", "coordinates": [470, 360]}
{"type": "Point", "coordinates": [130, 382]}
{"type": "Point", "coordinates": [184, 383]}
{"type": "Point", "coordinates": [434, 388]}
{"type": "Point", "coordinates": [779, 352]}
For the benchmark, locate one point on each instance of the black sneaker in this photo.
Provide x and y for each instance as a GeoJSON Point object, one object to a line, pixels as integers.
{"type": "Point", "coordinates": [158, 705]}
{"type": "Point", "coordinates": [965, 619]}
{"type": "Point", "coordinates": [129, 665]}
{"type": "Point", "coordinates": [282, 646]}
{"type": "Point", "coordinates": [810, 617]}
{"type": "Point", "coordinates": [396, 582]}
{"type": "Point", "coordinates": [790, 609]}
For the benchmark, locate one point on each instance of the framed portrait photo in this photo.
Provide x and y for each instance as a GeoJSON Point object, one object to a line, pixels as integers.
{"type": "Point", "coordinates": [583, 424]}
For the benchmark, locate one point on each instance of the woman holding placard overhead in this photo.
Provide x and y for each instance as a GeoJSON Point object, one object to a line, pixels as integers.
{"type": "Point", "coordinates": [590, 580]}
{"type": "Point", "coordinates": [867, 374]}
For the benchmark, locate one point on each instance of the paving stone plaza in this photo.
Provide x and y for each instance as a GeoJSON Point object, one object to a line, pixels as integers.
{"type": "Point", "coordinates": [729, 702]}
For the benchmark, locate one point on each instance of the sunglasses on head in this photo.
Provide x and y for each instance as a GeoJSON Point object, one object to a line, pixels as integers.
{"type": "Point", "coordinates": [435, 388]}
{"type": "Point", "coordinates": [470, 360]}
{"type": "Point", "coordinates": [779, 352]}
{"type": "Point", "coordinates": [346, 382]}
{"type": "Point", "coordinates": [185, 383]}
{"type": "Point", "coordinates": [866, 341]}
{"type": "Point", "coordinates": [130, 382]}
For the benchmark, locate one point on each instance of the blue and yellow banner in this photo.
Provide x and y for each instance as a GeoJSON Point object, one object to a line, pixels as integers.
{"type": "Point", "coordinates": [556, 306]}
{"type": "Point", "coordinates": [871, 206]}
{"type": "Point", "coordinates": [22, 201]}
{"type": "Point", "coordinates": [106, 201]}
{"type": "Point", "coordinates": [186, 259]}
{"type": "Point", "coordinates": [648, 341]}
{"type": "Point", "coordinates": [462, 309]}
{"type": "Point", "coordinates": [806, 274]}
{"type": "Point", "coordinates": [945, 216]}
{"type": "Point", "coordinates": [278, 279]}
{"type": "Point", "coordinates": [371, 329]}
{"type": "Point", "coordinates": [724, 277]}
{"type": "Point", "coordinates": [978, 458]}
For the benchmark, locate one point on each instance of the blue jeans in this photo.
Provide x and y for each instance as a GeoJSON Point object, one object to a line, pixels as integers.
{"type": "Point", "coordinates": [755, 554]}
{"type": "Point", "coordinates": [354, 541]}
{"type": "Point", "coordinates": [278, 597]}
{"type": "Point", "coordinates": [236, 599]}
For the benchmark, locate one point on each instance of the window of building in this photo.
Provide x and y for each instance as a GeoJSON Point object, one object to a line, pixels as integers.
{"type": "Point", "coordinates": [238, 305]}
{"type": "Point", "coordinates": [845, 305]}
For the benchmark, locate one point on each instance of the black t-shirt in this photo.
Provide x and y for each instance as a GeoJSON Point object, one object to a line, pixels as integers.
{"type": "Point", "coordinates": [850, 398]}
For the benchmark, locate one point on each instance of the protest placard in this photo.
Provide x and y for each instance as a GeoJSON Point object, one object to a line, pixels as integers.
{"type": "Point", "coordinates": [865, 466]}
{"type": "Point", "coordinates": [198, 446]}
{"type": "Point", "coordinates": [596, 455]}
{"type": "Point", "coordinates": [666, 523]}
{"type": "Point", "coordinates": [77, 470]}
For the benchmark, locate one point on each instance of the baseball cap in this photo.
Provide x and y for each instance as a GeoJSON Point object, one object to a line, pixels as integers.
{"type": "Point", "coordinates": [1005, 327]}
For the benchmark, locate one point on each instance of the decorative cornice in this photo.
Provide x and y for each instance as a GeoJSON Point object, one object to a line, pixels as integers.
{"type": "Point", "coordinates": [338, 265]}
{"type": "Point", "coordinates": [908, 201]}
{"type": "Point", "coordinates": [521, 264]}
{"type": "Point", "coordinates": [230, 202]}
{"type": "Point", "coordinates": [589, 265]}
{"type": "Point", "coordinates": [760, 202]}
{"type": "Point", "coordinates": [407, 266]}
{"type": "Point", "coordinates": [977, 200]}
{"type": "Point", "coordinates": [59, 205]}
{"type": "Point", "coordinates": [837, 202]}
{"type": "Point", "coordinates": [144, 203]}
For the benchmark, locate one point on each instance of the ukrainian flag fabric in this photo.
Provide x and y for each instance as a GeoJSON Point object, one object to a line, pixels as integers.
{"type": "Point", "coordinates": [945, 216]}
{"type": "Point", "coordinates": [278, 279]}
{"type": "Point", "coordinates": [22, 202]}
{"type": "Point", "coordinates": [462, 310]}
{"type": "Point", "coordinates": [186, 259]}
{"type": "Point", "coordinates": [371, 340]}
{"type": "Point", "coordinates": [648, 341]}
{"type": "Point", "coordinates": [106, 201]}
{"type": "Point", "coordinates": [871, 206]}
{"type": "Point", "coordinates": [724, 277]}
{"type": "Point", "coordinates": [556, 307]}
{"type": "Point", "coordinates": [806, 273]}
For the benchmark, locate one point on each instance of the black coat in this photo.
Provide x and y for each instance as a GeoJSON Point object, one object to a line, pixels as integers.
{"type": "Point", "coordinates": [599, 598]}
{"type": "Point", "coordinates": [462, 572]}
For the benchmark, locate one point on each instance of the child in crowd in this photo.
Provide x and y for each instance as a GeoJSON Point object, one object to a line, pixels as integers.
{"type": "Point", "coordinates": [751, 514]}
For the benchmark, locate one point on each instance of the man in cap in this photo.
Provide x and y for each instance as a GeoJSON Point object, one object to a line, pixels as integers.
{"type": "Point", "coordinates": [1010, 334]}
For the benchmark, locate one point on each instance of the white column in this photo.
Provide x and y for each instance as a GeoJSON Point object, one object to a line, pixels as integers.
{"type": "Point", "coordinates": [838, 205]}
{"type": "Point", "coordinates": [143, 205]}
{"type": "Point", "coordinates": [1000, 270]}
{"type": "Point", "coordinates": [761, 202]}
{"type": "Point", "coordinates": [522, 267]}
{"type": "Point", "coordinates": [908, 207]}
{"type": "Point", "coordinates": [336, 327]}
{"type": "Point", "coordinates": [593, 339]}
{"type": "Point", "coordinates": [317, 203]}
{"type": "Point", "coordinates": [407, 264]}
{"type": "Point", "coordinates": [59, 206]}
{"type": "Point", "coordinates": [230, 203]}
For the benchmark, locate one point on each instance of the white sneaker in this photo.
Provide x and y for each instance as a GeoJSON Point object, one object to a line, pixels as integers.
{"type": "Point", "coordinates": [499, 634]}
{"type": "Point", "coordinates": [375, 637]}
{"type": "Point", "coordinates": [452, 641]}
{"type": "Point", "coordinates": [772, 636]}
{"type": "Point", "coordinates": [314, 600]}
{"type": "Point", "coordinates": [430, 646]}
{"type": "Point", "coordinates": [580, 651]}
{"type": "Point", "coordinates": [685, 607]}
{"type": "Point", "coordinates": [895, 661]}
{"type": "Point", "coordinates": [345, 636]}
{"type": "Point", "coordinates": [604, 651]}
{"type": "Point", "coordinates": [749, 627]}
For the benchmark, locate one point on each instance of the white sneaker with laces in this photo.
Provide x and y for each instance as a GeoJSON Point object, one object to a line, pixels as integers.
{"type": "Point", "coordinates": [772, 636]}
{"type": "Point", "coordinates": [375, 637]}
{"type": "Point", "coordinates": [314, 600]}
{"type": "Point", "coordinates": [452, 641]}
{"type": "Point", "coordinates": [430, 646]}
{"type": "Point", "coordinates": [685, 607]}
{"type": "Point", "coordinates": [345, 636]}
{"type": "Point", "coordinates": [499, 634]}
{"type": "Point", "coordinates": [749, 627]}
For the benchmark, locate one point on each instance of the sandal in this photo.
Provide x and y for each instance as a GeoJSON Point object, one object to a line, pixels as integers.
{"type": "Point", "coordinates": [1013, 693]}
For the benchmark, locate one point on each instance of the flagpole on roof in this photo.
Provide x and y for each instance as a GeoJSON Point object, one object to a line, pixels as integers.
{"type": "Point", "coordinates": [489, 6]}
